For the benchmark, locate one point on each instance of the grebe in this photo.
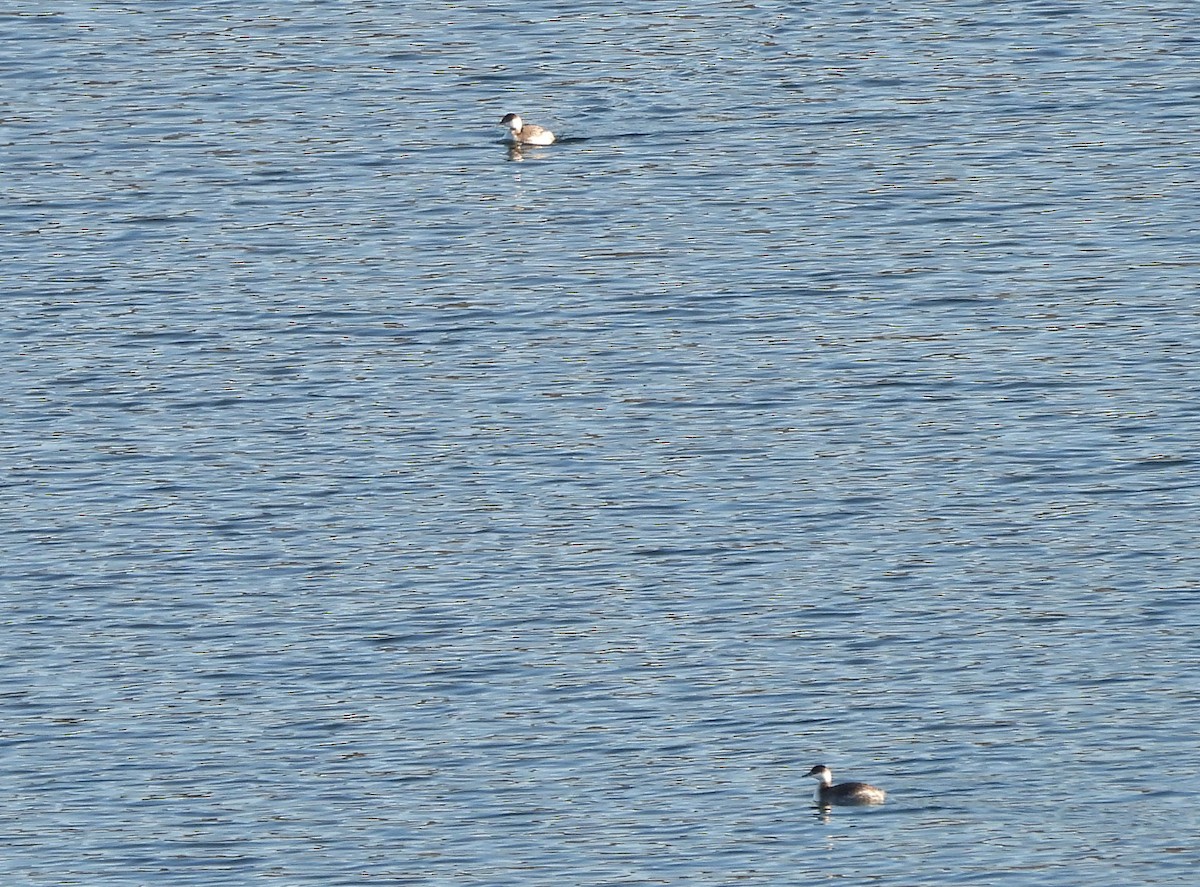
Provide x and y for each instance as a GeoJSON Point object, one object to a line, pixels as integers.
{"type": "Point", "coordinates": [847, 793]}
{"type": "Point", "coordinates": [527, 133]}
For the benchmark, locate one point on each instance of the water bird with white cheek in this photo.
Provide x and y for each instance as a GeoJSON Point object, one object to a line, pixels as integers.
{"type": "Point", "coordinates": [846, 794]}
{"type": "Point", "coordinates": [527, 133]}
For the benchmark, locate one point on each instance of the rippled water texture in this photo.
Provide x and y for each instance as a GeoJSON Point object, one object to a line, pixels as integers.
{"type": "Point", "coordinates": [385, 506]}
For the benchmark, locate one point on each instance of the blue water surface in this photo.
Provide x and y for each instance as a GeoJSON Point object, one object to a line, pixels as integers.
{"type": "Point", "coordinates": [385, 505]}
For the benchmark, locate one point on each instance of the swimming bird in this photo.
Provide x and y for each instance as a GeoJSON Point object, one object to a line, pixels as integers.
{"type": "Point", "coordinates": [527, 133]}
{"type": "Point", "coordinates": [848, 793]}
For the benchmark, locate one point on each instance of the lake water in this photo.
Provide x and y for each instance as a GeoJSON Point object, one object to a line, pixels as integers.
{"type": "Point", "coordinates": [382, 506]}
